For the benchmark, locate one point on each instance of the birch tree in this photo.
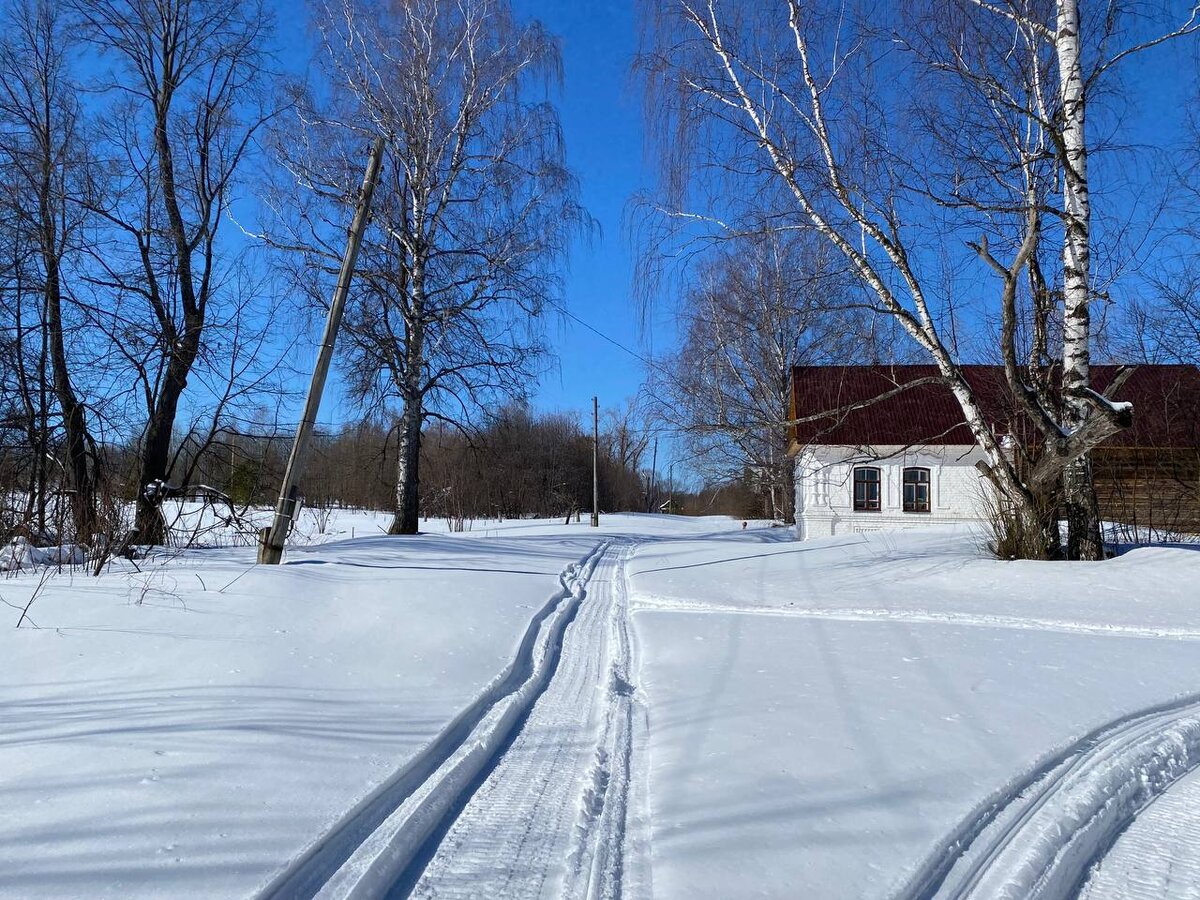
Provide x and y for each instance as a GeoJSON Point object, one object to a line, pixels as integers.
{"type": "Point", "coordinates": [471, 217]}
{"type": "Point", "coordinates": [1079, 75]}
{"type": "Point", "coordinates": [828, 103]}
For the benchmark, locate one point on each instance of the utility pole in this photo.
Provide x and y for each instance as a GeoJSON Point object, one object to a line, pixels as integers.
{"type": "Point", "coordinates": [671, 487]}
{"type": "Point", "coordinates": [595, 463]}
{"type": "Point", "coordinates": [270, 540]}
{"type": "Point", "coordinates": [652, 500]}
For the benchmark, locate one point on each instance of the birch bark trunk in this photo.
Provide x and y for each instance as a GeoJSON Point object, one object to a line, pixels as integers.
{"type": "Point", "coordinates": [408, 467]}
{"type": "Point", "coordinates": [1083, 525]}
{"type": "Point", "coordinates": [405, 520]}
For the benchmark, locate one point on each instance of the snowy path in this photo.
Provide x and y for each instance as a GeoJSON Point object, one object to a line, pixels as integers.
{"type": "Point", "coordinates": [1040, 835]}
{"type": "Point", "coordinates": [925, 617]}
{"type": "Point", "coordinates": [376, 843]}
{"type": "Point", "coordinates": [524, 794]}
{"type": "Point", "coordinates": [548, 820]}
{"type": "Point", "coordinates": [1158, 856]}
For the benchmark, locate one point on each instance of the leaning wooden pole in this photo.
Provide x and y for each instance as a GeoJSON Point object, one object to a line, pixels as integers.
{"type": "Point", "coordinates": [271, 540]}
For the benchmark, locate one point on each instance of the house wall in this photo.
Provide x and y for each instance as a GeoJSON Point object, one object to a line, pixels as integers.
{"type": "Point", "coordinates": [825, 486]}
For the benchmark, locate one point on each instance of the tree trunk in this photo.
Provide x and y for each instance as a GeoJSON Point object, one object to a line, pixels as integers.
{"type": "Point", "coordinates": [80, 475]}
{"type": "Point", "coordinates": [1025, 524]}
{"type": "Point", "coordinates": [41, 424]}
{"type": "Point", "coordinates": [408, 466]}
{"type": "Point", "coordinates": [36, 407]}
{"type": "Point", "coordinates": [183, 346]}
{"type": "Point", "coordinates": [787, 480]}
{"type": "Point", "coordinates": [1084, 537]}
{"type": "Point", "coordinates": [408, 473]}
{"type": "Point", "coordinates": [149, 527]}
{"type": "Point", "coordinates": [79, 472]}
{"type": "Point", "coordinates": [1079, 498]}
{"type": "Point", "coordinates": [1039, 525]}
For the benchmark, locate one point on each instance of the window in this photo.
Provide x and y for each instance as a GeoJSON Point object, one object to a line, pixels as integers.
{"type": "Point", "coordinates": [866, 489]}
{"type": "Point", "coordinates": [916, 490]}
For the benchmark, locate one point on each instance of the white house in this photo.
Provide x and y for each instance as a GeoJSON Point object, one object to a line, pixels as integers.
{"type": "Point", "coordinates": [886, 447]}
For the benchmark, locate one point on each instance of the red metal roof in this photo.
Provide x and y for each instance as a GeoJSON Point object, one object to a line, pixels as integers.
{"type": "Point", "coordinates": [1166, 405]}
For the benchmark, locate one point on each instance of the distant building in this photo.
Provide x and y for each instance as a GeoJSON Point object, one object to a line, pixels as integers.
{"type": "Point", "coordinates": [875, 457]}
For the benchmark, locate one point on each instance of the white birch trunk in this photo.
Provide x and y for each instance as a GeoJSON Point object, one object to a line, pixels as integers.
{"type": "Point", "coordinates": [1083, 531]}
{"type": "Point", "coordinates": [408, 463]}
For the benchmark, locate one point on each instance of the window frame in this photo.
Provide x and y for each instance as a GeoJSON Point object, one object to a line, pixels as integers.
{"type": "Point", "coordinates": [915, 506]}
{"type": "Point", "coordinates": [866, 501]}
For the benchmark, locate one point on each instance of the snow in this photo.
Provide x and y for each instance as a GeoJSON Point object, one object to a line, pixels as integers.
{"type": "Point", "coordinates": [19, 554]}
{"type": "Point", "coordinates": [1114, 406]}
{"type": "Point", "coordinates": [663, 706]}
{"type": "Point", "coordinates": [830, 716]}
{"type": "Point", "coordinates": [1159, 855]}
{"type": "Point", "coordinates": [206, 734]}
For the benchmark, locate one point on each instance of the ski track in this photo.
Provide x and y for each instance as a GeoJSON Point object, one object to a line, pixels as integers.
{"type": "Point", "coordinates": [549, 819]}
{"type": "Point", "coordinates": [364, 852]}
{"type": "Point", "coordinates": [1040, 836]}
{"type": "Point", "coordinates": [921, 617]}
{"type": "Point", "coordinates": [525, 794]}
{"type": "Point", "coordinates": [1158, 855]}
{"type": "Point", "coordinates": [596, 868]}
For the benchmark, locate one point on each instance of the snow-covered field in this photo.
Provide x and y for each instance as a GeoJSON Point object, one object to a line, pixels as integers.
{"type": "Point", "coordinates": [891, 715]}
{"type": "Point", "coordinates": [662, 707]}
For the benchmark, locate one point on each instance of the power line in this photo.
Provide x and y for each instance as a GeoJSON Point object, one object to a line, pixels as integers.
{"type": "Point", "coordinates": [655, 429]}
{"type": "Point", "coordinates": [638, 356]}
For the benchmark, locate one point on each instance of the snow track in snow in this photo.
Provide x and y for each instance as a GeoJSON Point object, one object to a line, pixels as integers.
{"type": "Point", "coordinates": [924, 617]}
{"type": "Point", "coordinates": [1158, 855]}
{"type": "Point", "coordinates": [549, 819]}
{"type": "Point", "coordinates": [364, 853]}
{"type": "Point", "coordinates": [596, 867]}
{"type": "Point", "coordinates": [1040, 836]}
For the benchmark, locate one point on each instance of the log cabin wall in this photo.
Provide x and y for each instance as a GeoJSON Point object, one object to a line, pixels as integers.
{"type": "Point", "coordinates": [1149, 489]}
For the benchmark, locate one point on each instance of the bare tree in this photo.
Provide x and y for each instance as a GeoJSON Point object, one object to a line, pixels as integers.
{"type": "Point", "coordinates": [471, 217]}
{"type": "Point", "coordinates": [763, 303]}
{"type": "Point", "coordinates": [824, 102]}
{"type": "Point", "coordinates": [183, 110]}
{"type": "Point", "coordinates": [24, 388]}
{"type": "Point", "coordinates": [42, 148]}
{"type": "Point", "coordinates": [625, 437]}
{"type": "Point", "coordinates": [520, 463]}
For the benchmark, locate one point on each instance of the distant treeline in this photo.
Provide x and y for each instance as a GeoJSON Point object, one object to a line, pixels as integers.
{"type": "Point", "coordinates": [518, 464]}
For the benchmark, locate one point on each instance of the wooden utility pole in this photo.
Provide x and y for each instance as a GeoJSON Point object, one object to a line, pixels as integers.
{"type": "Point", "coordinates": [270, 540]}
{"type": "Point", "coordinates": [652, 500]}
{"type": "Point", "coordinates": [595, 463]}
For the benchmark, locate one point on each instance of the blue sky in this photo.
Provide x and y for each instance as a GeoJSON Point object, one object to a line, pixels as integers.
{"type": "Point", "coordinates": [600, 110]}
